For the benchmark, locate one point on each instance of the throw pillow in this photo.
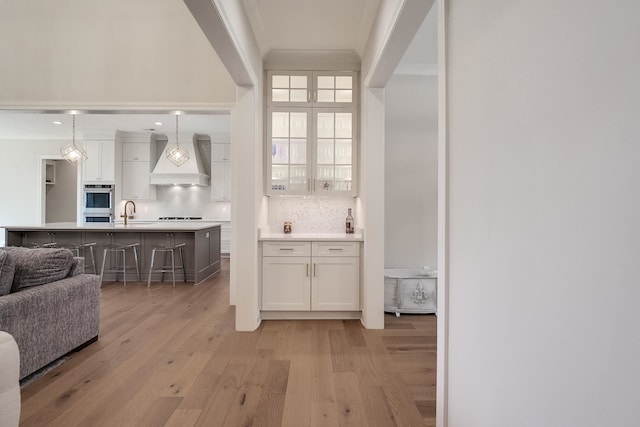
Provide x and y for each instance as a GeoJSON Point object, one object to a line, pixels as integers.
{"type": "Point", "coordinates": [7, 268]}
{"type": "Point", "coordinates": [34, 267]}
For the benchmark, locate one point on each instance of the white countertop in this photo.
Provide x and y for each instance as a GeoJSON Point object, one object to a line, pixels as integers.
{"type": "Point", "coordinates": [133, 226]}
{"type": "Point", "coordinates": [329, 237]}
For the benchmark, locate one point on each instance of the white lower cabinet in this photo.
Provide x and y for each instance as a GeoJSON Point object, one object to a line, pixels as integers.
{"type": "Point", "coordinates": [311, 276]}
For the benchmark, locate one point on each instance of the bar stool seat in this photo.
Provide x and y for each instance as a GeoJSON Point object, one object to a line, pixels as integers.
{"type": "Point", "coordinates": [171, 249]}
{"type": "Point", "coordinates": [121, 268]}
{"type": "Point", "coordinates": [76, 248]}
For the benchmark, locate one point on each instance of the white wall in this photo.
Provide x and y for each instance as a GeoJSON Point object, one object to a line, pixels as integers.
{"type": "Point", "coordinates": [117, 52]}
{"type": "Point", "coordinates": [411, 175]}
{"type": "Point", "coordinates": [19, 186]}
{"type": "Point", "coordinates": [544, 184]}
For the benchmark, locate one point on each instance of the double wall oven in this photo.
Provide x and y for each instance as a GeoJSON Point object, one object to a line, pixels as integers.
{"type": "Point", "coordinates": [97, 203]}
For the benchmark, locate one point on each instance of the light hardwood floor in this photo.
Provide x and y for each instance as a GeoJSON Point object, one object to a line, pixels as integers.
{"type": "Point", "coordinates": [171, 357]}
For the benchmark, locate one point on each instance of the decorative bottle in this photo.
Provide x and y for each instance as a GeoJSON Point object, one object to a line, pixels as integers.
{"type": "Point", "coordinates": [349, 223]}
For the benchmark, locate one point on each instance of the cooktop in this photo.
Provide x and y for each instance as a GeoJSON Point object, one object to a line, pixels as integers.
{"type": "Point", "coordinates": [180, 218]}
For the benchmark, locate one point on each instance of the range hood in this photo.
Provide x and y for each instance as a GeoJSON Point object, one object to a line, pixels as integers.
{"type": "Point", "coordinates": [191, 172]}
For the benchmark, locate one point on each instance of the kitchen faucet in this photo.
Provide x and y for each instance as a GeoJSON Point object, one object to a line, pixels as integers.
{"type": "Point", "coordinates": [124, 215]}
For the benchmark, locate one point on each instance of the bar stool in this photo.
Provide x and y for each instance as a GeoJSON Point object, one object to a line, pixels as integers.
{"type": "Point", "coordinates": [167, 268]}
{"type": "Point", "coordinates": [120, 268]}
{"type": "Point", "coordinates": [76, 248]}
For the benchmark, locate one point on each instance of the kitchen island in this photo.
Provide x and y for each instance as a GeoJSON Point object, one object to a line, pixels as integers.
{"type": "Point", "coordinates": [201, 251]}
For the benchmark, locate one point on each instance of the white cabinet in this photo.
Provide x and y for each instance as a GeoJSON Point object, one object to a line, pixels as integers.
{"type": "Point", "coordinates": [220, 172]}
{"type": "Point", "coordinates": [100, 164]}
{"type": "Point", "coordinates": [311, 144]}
{"type": "Point", "coordinates": [135, 180]}
{"type": "Point", "coordinates": [135, 171]}
{"type": "Point", "coordinates": [225, 238]}
{"type": "Point", "coordinates": [310, 276]}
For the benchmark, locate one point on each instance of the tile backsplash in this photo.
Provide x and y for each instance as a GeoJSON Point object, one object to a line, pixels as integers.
{"type": "Point", "coordinates": [181, 201]}
{"type": "Point", "coordinates": [310, 214]}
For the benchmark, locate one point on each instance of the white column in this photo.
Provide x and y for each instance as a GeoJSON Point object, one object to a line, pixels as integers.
{"type": "Point", "coordinates": [246, 191]}
{"type": "Point", "coordinates": [370, 206]}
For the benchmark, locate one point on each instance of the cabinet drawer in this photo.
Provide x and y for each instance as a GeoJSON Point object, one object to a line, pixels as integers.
{"type": "Point", "coordinates": [286, 248]}
{"type": "Point", "coordinates": [336, 249]}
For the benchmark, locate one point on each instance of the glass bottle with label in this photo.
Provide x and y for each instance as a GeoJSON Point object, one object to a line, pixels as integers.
{"type": "Point", "coordinates": [350, 229]}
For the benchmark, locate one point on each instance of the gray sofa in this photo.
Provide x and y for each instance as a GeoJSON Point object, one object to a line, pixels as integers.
{"type": "Point", "coordinates": [47, 304]}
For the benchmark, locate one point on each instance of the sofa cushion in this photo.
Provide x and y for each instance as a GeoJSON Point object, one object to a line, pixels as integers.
{"type": "Point", "coordinates": [7, 267]}
{"type": "Point", "coordinates": [34, 267]}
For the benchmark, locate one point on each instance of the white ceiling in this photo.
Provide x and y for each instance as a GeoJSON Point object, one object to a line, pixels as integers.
{"type": "Point", "coordinates": [278, 25]}
{"type": "Point", "coordinates": [311, 24]}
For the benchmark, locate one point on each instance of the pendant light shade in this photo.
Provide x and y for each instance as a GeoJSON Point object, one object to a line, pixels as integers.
{"type": "Point", "coordinates": [176, 154]}
{"type": "Point", "coordinates": [71, 152]}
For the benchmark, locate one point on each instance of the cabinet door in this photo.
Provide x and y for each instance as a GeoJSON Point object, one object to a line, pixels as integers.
{"type": "Point", "coordinates": [334, 154]}
{"type": "Point", "coordinates": [221, 152]}
{"type": "Point", "coordinates": [334, 89]}
{"type": "Point", "coordinates": [286, 283]}
{"type": "Point", "coordinates": [107, 161]}
{"type": "Point", "coordinates": [100, 163]}
{"type": "Point", "coordinates": [135, 152]}
{"type": "Point", "coordinates": [221, 181]}
{"type": "Point", "coordinates": [135, 180]}
{"type": "Point", "coordinates": [335, 284]}
{"type": "Point", "coordinates": [91, 170]}
{"type": "Point", "coordinates": [289, 157]}
{"type": "Point", "coordinates": [289, 88]}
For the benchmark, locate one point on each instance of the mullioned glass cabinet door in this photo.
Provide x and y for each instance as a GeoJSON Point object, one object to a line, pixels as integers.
{"type": "Point", "coordinates": [289, 138]}
{"type": "Point", "coordinates": [334, 136]}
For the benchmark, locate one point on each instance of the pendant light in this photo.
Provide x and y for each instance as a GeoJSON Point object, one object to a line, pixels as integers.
{"type": "Point", "coordinates": [71, 152]}
{"type": "Point", "coordinates": [176, 154]}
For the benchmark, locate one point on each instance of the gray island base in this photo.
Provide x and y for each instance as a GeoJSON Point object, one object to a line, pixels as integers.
{"type": "Point", "coordinates": [201, 251]}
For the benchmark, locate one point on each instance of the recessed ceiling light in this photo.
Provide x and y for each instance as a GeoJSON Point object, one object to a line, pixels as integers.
{"type": "Point", "coordinates": [158, 123]}
{"type": "Point", "coordinates": [57, 122]}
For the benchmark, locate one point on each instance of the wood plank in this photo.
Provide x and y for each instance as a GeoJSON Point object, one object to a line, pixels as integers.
{"type": "Point", "coordinates": [271, 403]}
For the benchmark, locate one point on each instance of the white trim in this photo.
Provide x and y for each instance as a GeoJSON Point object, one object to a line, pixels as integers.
{"type": "Point", "coordinates": [115, 108]}
{"type": "Point", "coordinates": [442, 374]}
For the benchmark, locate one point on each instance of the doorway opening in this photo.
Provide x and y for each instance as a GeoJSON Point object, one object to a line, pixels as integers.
{"type": "Point", "coordinates": [58, 190]}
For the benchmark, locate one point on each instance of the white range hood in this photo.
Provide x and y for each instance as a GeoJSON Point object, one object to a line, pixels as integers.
{"type": "Point", "coordinates": [189, 173]}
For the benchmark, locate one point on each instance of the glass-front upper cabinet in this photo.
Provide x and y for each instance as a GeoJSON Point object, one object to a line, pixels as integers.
{"type": "Point", "coordinates": [311, 151]}
{"type": "Point", "coordinates": [315, 89]}
{"type": "Point", "coordinates": [311, 133]}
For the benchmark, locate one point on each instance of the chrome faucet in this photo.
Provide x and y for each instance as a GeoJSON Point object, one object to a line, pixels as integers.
{"type": "Point", "coordinates": [124, 215]}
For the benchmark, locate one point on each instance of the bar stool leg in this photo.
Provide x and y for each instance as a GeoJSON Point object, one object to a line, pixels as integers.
{"type": "Point", "coordinates": [124, 267]}
{"type": "Point", "coordinates": [184, 272]}
{"type": "Point", "coordinates": [104, 261]}
{"type": "Point", "coordinates": [135, 256]}
{"type": "Point", "coordinates": [153, 256]}
{"type": "Point", "coordinates": [173, 268]}
{"type": "Point", "coordinates": [93, 260]}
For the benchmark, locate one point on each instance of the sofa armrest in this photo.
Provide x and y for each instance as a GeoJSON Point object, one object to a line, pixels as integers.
{"type": "Point", "coordinates": [9, 385]}
{"type": "Point", "coordinates": [77, 267]}
{"type": "Point", "coordinates": [49, 320]}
